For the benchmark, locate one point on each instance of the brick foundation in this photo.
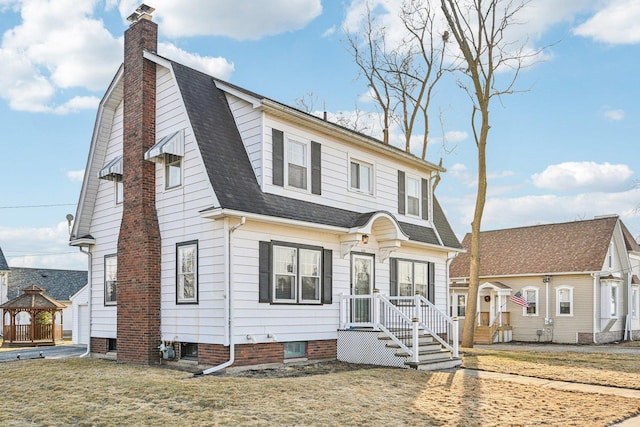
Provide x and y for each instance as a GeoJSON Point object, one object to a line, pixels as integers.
{"type": "Point", "coordinates": [99, 345]}
{"type": "Point", "coordinates": [262, 353]}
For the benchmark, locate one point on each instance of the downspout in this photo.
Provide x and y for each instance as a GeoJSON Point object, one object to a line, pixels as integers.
{"type": "Point", "coordinates": [229, 307]}
{"type": "Point", "coordinates": [89, 255]}
{"type": "Point", "coordinates": [595, 305]}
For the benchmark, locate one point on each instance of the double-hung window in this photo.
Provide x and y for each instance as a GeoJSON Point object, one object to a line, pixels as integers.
{"type": "Point", "coordinates": [414, 195]}
{"type": "Point", "coordinates": [187, 272]}
{"type": "Point", "coordinates": [361, 177]}
{"type": "Point", "coordinates": [409, 278]}
{"type": "Point", "coordinates": [297, 170]}
{"type": "Point", "coordinates": [295, 274]}
{"type": "Point", "coordinates": [110, 279]}
{"type": "Point", "coordinates": [458, 305]}
{"type": "Point", "coordinates": [564, 301]}
{"type": "Point", "coordinates": [531, 296]}
{"type": "Point", "coordinates": [296, 163]}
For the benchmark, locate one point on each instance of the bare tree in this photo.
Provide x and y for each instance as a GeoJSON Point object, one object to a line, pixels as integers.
{"type": "Point", "coordinates": [401, 78]}
{"type": "Point", "coordinates": [479, 29]}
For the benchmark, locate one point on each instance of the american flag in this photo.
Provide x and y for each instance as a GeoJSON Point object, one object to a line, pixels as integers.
{"type": "Point", "coordinates": [518, 299]}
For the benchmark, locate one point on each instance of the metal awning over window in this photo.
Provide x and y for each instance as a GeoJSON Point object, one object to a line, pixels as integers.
{"type": "Point", "coordinates": [112, 171]}
{"type": "Point", "coordinates": [170, 144]}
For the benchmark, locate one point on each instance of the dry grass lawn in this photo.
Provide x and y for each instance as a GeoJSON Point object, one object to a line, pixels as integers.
{"type": "Point", "coordinates": [88, 392]}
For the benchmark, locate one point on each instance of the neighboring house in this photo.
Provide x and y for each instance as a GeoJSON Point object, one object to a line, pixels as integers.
{"type": "Point", "coordinates": [230, 227]}
{"type": "Point", "coordinates": [58, 284]}
{"type": "Point", "coordinates": [577, 282]}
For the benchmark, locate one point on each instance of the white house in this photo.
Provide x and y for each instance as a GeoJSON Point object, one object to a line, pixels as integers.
{"type": "Point", "coordinates": [234, 229]}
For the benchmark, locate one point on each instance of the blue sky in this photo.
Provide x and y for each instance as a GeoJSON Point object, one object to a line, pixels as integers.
{"type": "Point", "coordinates": [565, 148]}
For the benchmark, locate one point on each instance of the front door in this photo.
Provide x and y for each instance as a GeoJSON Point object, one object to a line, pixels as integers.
{"type": "Point", "coordinates": [361, 285]}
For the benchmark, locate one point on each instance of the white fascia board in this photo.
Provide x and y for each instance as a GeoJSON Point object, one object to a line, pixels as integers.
{"type": "Point", "coordinates": [220, 213]}
{"type": "Point", "coordinates": [552, 274]}
{"type": "Point", "coordinates": [82, 242]}
{"type": "Point", "coordinates": [255, 102]}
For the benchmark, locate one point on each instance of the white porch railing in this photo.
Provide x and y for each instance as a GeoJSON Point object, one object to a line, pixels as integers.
{"type": "Point", "coordinates": [400, 318]}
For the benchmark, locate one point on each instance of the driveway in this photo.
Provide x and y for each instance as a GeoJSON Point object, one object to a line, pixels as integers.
{"type": "Point", "coordinates": [52, 352]}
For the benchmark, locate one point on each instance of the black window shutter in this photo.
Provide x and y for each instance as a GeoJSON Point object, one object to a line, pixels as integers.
{"type": "Point", "coordinates": [316, 168]}
{"type": "Point", "coordinates": [401, 193]}
{"type": "Point", "coordinates": [425, 198]}
{"type": "Point", "coordinates": [327, 276]}
{"type": "Point", "coordinates": [278, 157]}
{"type": "Point", "coordinates": [393, 277]}
{"type": "Point", "coordinates": [264, 275]}
{"type": "Point", "coordinates": [432, 283]}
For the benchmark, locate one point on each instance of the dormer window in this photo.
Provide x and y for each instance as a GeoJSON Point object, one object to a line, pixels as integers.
{"type": "Point", "coordinates": [361, 177]}
{"type": "Point", "coordinates": [169, 151]}
{"type": "Point", "coordinates": [296, 164]}
{"type": "Point", "coordinates": [112, 171]}
{"type": "Point", "coordinates": [413, 196]}
{"type": "Point", "coordinates": [297, 170]}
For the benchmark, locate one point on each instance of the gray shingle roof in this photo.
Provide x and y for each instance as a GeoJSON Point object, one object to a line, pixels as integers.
{"type": "Point", "coordinates": [579, 246]}
{"type": "Point", "coordinates": [233, 179]}
{"type": "Point", "coordinates": [58, 284]}
{"type": "Point", "coordinates": [3, 262]}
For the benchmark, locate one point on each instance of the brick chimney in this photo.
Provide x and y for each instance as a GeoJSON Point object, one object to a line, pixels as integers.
{"type": "Point", "coordinates": [139, 240]}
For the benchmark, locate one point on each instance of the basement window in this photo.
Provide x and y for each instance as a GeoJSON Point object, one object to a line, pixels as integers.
{"type": "Point", "coordinates": [112, 344]}
{"type": "Point", "coordinates": [295, 349]}
{"type": "Point", "coordinates": [188, 350]}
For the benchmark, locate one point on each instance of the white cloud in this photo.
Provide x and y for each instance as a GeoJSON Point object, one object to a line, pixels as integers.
{"type": "Point", "coordinates": [61, 48]}
{"type": "Point", "coordinates": [614, 115]}
{"type": "Point", "coordinates": [615, 23]}
{"type": "Point", "coordinates": [583, 175]}
{"type": "Point", "coordinates": [76, 176]}
{"type": "Point", "coordinates": [455, 136]}
{"type": "Point", "coordinates": [329, 31]}
{"type": "Point", "coordinates": [58, 45]}
{"type": "Point", "coordinates": [217, 67]}
{"type": "Point", "coordinates": [238, 19]}
{"type": "Point", "coordinates": [43, 247]}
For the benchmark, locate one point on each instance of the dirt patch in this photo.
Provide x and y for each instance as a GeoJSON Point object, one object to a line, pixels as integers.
{"type": "Point", "coordinates": [297, 370]}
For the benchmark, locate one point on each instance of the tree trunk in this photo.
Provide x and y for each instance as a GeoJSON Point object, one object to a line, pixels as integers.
{"type": "Point", "coordinates": [474, 255]}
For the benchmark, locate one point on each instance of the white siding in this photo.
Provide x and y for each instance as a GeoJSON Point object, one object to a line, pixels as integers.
{"type": "Point", "coordinates": [336, 155]}
{"type": "Point", "coordinates": [105, 226]}
{"type": "Point", "coordinates": [292, 322]}
{"type": "Point", "coordinates": [249, 123]}
{"type": "Point", "coordinates": [179, 222]}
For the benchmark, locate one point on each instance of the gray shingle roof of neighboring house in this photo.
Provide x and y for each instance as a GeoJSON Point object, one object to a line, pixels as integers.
{"type": "Point", "coordinates": [234, 181]}
{"type": "Point", "coordinates": [579, 246]}
{"type": "Point", "coordinates": [58, 284]}
{"type": "Point", "coordinates": [3, 262]}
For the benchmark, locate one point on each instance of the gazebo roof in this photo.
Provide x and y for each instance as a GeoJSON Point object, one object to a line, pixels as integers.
{"type": "Point", "coordinates": [32, 297]}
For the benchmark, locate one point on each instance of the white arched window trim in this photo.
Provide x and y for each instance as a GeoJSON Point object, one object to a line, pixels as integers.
{"type": "Point", "coordinates": [564, 301]}
{"type": "Point", "coordinates": [526, 311]}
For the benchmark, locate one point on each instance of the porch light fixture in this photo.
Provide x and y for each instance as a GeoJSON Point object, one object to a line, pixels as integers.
{"type": "Point", "coordinates": [546, 279]}
{"type": "Point", "coordinates": [365, 239]}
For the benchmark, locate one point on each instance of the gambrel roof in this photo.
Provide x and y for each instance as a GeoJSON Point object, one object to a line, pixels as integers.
{"type": "Point", "coordinates": [579, 246]}
{"type": "Point", "coordinates": [233, 178]}
{"type": "Point", "coordinates": [228, 166]}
